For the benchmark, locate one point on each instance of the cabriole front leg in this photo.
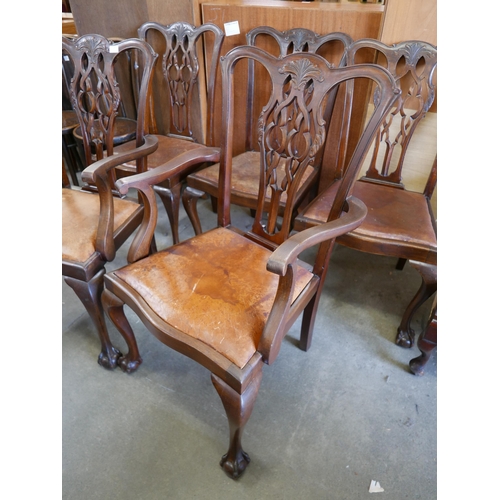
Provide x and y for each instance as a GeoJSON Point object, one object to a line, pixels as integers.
{"type": "Point", "coordinates": [114, 309]}
{"type": "Point", "coordinates": [89, 292]}
{"type": "Point", "coordinates": [238, 410]}
{"type": "Point", "coordinates": [426, 343]}
{"type": "Point", "coordinates": [405, 336]}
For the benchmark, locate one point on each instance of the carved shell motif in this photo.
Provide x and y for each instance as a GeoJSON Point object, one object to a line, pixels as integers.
{"type": "Point", "coordinates": [92, 47]}
{"type": "Point", "coordinates": [301, 72]}
{"type": "Point", "coordinates": [299, 38]}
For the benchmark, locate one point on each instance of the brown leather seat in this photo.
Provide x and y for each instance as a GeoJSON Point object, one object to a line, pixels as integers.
{"type": "Point", "coordinates": [183, 288]}
{"type": "Point", "coordinates": [393, 215]}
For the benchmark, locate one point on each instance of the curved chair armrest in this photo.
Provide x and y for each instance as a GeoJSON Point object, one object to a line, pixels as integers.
{"type": "Point", "coordinates": [144, 183]}
{"type": "Point", "coordinates": [169, 169]}
{"type": "Point", "coordinates": [282, 262]}
{"type": "Point", "coordinates": [97, 173]}
{"type": "Point", "coordinates": [290, 249]}
{"type": "Point", "coordinates": [101, 167]}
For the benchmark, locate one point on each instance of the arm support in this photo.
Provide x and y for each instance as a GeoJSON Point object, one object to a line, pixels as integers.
{"type": "Point", "coordinates": [101, 168]}
{"type": "Point", "coordinates": [97, 173]}
{"type": "Point", "coordinates": [169, 169]}
{"type": "Point", "coordinates": [144, 183]}
{"type": "Point", "coordinates": [290, 249]}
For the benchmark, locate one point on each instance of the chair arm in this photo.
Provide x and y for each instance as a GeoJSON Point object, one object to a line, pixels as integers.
{"type": "Point", "coordinates": [102, 167]}
{"type": "Point", "coordinates": [168, 169]}
{"type": "Point", "coordinates": [289, 250]}
{"type": "Point", "coordinates": [281, 262]}
{"type": "Point", "coordinates": [144, 183]}
{"type": "Point", "coordinates": [97, 173]}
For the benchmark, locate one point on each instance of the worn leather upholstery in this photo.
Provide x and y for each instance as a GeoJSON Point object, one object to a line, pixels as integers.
{"type": "Point", "coordinates": [405, 213]}
{"type": "Point", "coordinates": [183, 288]}
{"type": "Point", "coordinates": [80, 217]}
{"type": "Point", "coordinates": [246, 183]}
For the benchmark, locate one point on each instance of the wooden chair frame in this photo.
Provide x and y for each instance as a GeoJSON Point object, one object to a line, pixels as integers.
{"type": "Point", "coordinates": [95, 97]}
{"type": "Point", "coordinates": [413, 65]}
{"type": "Point", "coordinates": [302, 83]}
{"type": "Point", "coordinates": [181, 69]}
{"type": "Point", "coordinates": [205, 180]}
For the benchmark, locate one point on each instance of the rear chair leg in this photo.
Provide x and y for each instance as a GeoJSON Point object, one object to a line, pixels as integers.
{"type": "Point", "coordinates": [426, 343]}
{"type": "Point", "coordinates": [89, 292]}
{"type": "Point", "coordinates": [405, 336]}
{"type": "Point", "coordinates": [114, 309]}
{"type": "Point", "coordinates": [189, 200]}
{"type": "Point", "coordinates": [171, 199]}
{"type": "Point", "coordinates": [308, 318]}
{"type": "Point", "coordinates": [238, 409]}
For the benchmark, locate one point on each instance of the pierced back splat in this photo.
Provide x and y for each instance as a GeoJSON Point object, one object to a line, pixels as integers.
{"type": "Point", "coordinates": [413, 65]}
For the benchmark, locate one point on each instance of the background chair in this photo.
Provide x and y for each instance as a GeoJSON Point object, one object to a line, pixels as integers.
{"type": "Point", "coordinates": [400, 223]}
{"type": "Point", "coordinates": [71, 158]}
{"type": "Point", "coordinates": [427, 342]}
{"type": "Point", "coordinates": [95, 225]}
{"type": "Point", "coordinates": [245, 188]}
{"type": "Point", "coordinates": [226, 298]}
{"type": "Point", "coordinates": [181, 73]}
{"type": "Point", "coordinates": [127, 72]}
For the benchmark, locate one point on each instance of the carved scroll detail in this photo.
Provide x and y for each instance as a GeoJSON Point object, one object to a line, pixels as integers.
{"type": "Point", "coordinates": [180, 69]}
{"type": "Point", "coordinates": [291, 129]}
{"type": "Point", "coordinates": [412, 64]}
{"type": "Point", "coordinates": [96, 95]}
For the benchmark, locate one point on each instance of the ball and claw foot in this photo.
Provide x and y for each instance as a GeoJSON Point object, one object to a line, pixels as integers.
{"type": "Point", "coordinates": [235, 468]}
{"type": "Point", "coordinates": [417, 365]}
{"type": "Point", "coordinates": [405, 339]}
{"type": "Point", "coordinates": [128, 365]}
{"type": "Point", "coordinates": [108, 358]}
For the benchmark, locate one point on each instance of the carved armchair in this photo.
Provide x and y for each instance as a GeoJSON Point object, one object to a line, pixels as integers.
{"type": "Point", "coordinates": [400, 222]}
{"type": "Point", "coordinates": [95, 224]}
{"type": "Point", "coordinates": [226, 298]}
{"type": "Point", "coordinates": [181, 71]}
{"type": "Point", "coordinates": [244, 189]}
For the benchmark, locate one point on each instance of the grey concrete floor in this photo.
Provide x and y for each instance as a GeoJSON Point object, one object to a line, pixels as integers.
{"type": "Point", "coordinates": [325, 424]}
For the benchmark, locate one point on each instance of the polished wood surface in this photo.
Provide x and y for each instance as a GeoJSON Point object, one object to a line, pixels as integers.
{"type": "Point", "coordinates": [246, 166]}
{"type": "Point", "coordinates": [400, 223]}
{"type": "Point", "coordinates": [94, 225]}
{"type": "Point", "coordinates": [410, 20]}
{"type": "Point", "coordinates": [226, 298]}
{"type": "Point", "coordinates": [354, 19]}
{"type": "Point", "coordinates": [180, 65]}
